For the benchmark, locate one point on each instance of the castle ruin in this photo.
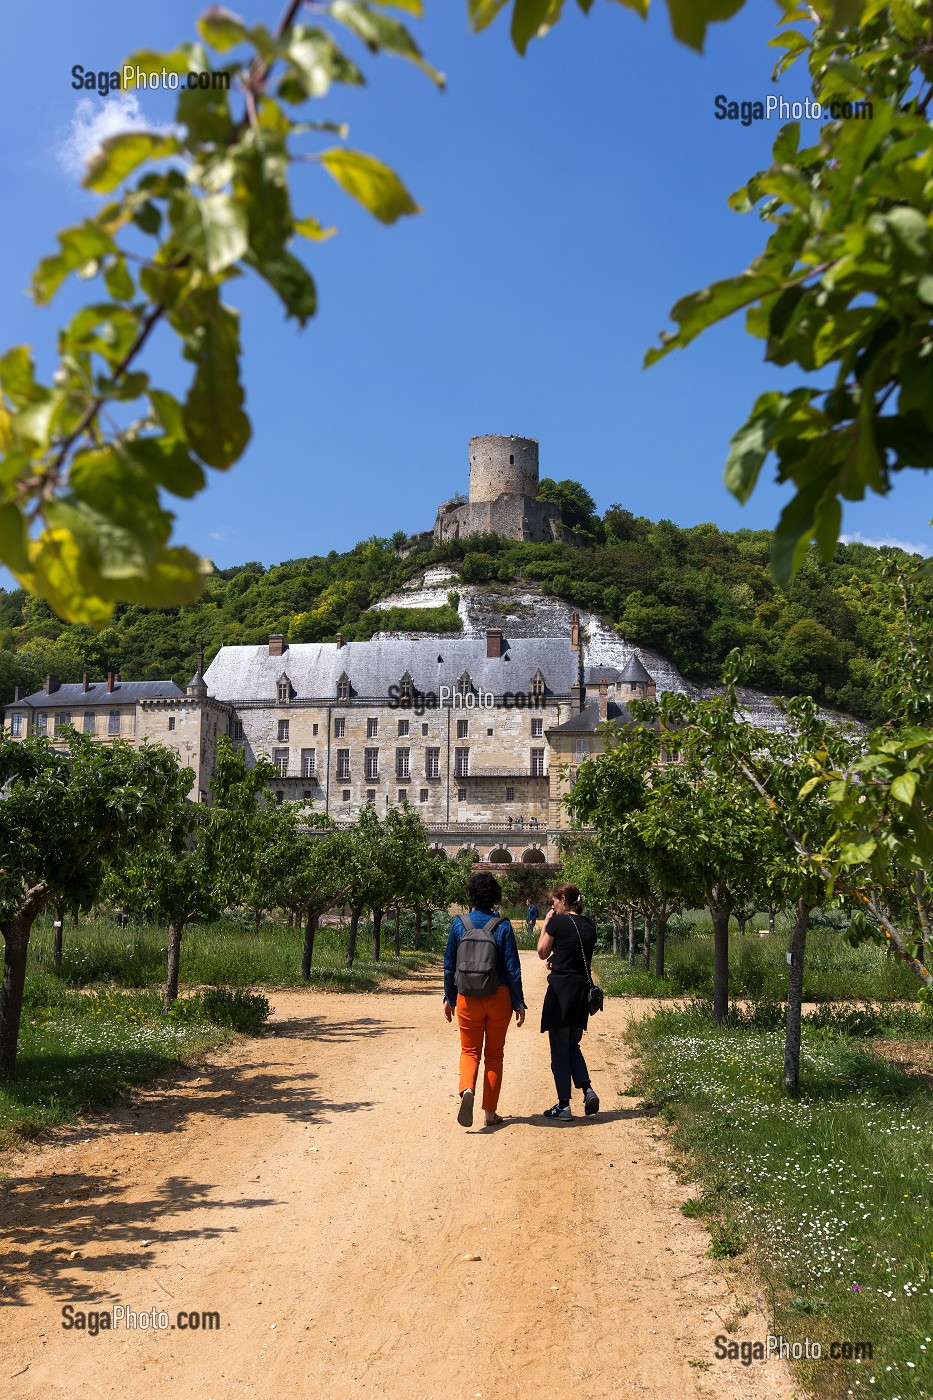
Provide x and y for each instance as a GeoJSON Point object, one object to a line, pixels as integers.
{"type": "Point", "coordinates": [503, 496]}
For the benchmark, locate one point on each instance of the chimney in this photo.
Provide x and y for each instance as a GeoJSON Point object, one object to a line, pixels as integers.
{"type": "Point", "coordinates": [51, 684]}
{"type": "Point", "coordinates": [576, 699]}
{"type": "Point", "coordinates": [85, 683]}
{"type": "Point", "coordinates": [276, 644]}
{"type": "Point", "coordinates": [495, 642]}
{"type": "Point", "coordinates": [118, 678]}
{"type": "Point", "coordinates": [110, 680]}
{"type": "Point", "coordinates": [18, 694]}
{"type": "Point", "coordinates": [574, 631]}
{"type": "Point", "coordinates": [338, 640]}
{"type": "Point", "coordinates": [603, 701]}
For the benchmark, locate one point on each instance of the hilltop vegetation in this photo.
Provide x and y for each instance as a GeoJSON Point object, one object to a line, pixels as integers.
{"type": "Point", "coordinates": [692, 594]}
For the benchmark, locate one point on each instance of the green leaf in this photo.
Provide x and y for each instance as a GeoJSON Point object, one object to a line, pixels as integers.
{"type": "Point", "coordinates": [752, 443]}
{"type": "Point", "coordinates": [313, 229]}
{"type": "Point", "coordinates": [483, 12]}
{"type": "Point", "coordinates": [293, 283]}
{"type": "Point", "coordinates": [316, 62]}
{"type": "Point", "coordinates": [639, 6]}
{"type": "Point", "coordinates": [217, 428]}
{"type": "Point", "coordinates": [168, 463]}
{"type": "Point", "coordinates": [13, 539]}
{"type": "Point", "coordinates": [168, 412]}
{"type": "Point", "coordinates": [118, 281]}
{"type": "Point", "coordinates": [261, 189]}
{"type": "Point", "coordinates": [689, 18]}
{"type": "Point", "coordinates": [531, 18]}
{"type": "Point", "coordinates": [176, 577]}
{"type": "Point", "coordinates": [118, 156]}
{"type": "Point", "coordinates": [411, 7]}
{"type": "Point", "coordinates": [205, 113]}
{"type": "Point", "coordinates": [221, 28]}
{"type": "Point", "coordinates": [380, 31]}
{"type": "Point", "coordinates": [18, 378]}
{"type": "Point", "coordinates": [376, 187]}
{"type": "Point", "coordinates": [904, 787]}
{"type": "Point", "coordinates": [57, 573]}
{"type": "Point", "coordinates": [701, 309]}
{"type": "Point", "coordinates": [212, 228]}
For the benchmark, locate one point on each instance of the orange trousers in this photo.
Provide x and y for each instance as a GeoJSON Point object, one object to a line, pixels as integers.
{"type": "Point", "coordinates": [483, 1019]}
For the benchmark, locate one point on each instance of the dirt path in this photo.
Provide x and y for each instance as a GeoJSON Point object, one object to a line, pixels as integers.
{"type": "Point", "coordinates": [314, 1189]}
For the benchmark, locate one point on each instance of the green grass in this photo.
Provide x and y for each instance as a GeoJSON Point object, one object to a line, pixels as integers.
{"type": "Point", "coordinates": [834, 970]}
{"type": "Point", "coordinates": [827, 1195]}
{"type": "Point", "coordinates": [94, 1026]}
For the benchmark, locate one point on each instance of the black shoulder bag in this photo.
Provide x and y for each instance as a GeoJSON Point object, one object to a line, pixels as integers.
{"type": "Point", "coordinates": [595, 996]}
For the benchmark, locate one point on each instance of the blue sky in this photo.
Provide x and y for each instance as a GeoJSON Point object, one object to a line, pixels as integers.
{"type": "Point", "coordinates": [569, 199]}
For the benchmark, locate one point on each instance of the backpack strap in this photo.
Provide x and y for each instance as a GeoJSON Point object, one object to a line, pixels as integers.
{"type": "Point", "coordinates": [494, 923]}
{"type": "Point", "coordinates": [582, 950]}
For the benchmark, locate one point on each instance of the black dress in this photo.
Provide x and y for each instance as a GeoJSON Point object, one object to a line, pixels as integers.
{"type": "Point", "coordinates": [566, 1002]}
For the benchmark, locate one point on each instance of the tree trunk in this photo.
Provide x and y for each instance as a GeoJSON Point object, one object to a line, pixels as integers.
{"type": "Point", "coordinates": [798, 947]}
{"type": "Point", "coordinates": [631, 938]}
{"type": "Point", "coordinates": [16, 947]}
{"type": "Point", "coordinates": [720, 962]}
{"type": "Point", "coordinates": [416, 940]}
{"type": "Point", "coordinates": [355, 913]}
{"type": "Point", "coordinates": [377, 935]}
{"type": "Point", "coordinates": [257, 919]}
{"type": "Point", "coordinates": [398, 933]}
{"type": "Point", "coordinates": [175, 931]}
{"type": "Point", "coordinates": [57, 939]}
{"type": "Point", "coordinates": [660, 935]}
{"type": "Point", "coordinates": [741, 919]}
{"type": "Point", "coordinates": [647, 948]}
{"type": "Point", "coordinates": [307, 951]}
{"type": "Point", "coordinates": [772, 915]}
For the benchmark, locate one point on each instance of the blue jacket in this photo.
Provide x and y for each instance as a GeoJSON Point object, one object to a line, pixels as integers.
{"type": "Point", "coordinates": [509, 968]}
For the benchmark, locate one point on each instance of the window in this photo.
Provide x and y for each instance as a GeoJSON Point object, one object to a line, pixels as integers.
{"type": "Point", "coordinates": [510, 794]}
{"type": "Point", "coordinates": [345, 796]}
{"type": "Point", "coordinates": [372, 763]}
{"type": "Point", "coordinates": [402, 761]}
{"type": "Point", "coordinates": [404, 687]}
{"type": "Point", "coordinates": [403, 794]}
{"type": "Point", "coordinates": [583, 749]}
{"type": "Point", "coordinates": [403, 729]}
{"type": "Point", "coordinates": [235, 729]}
{"type": "Point", "coordinates": [425, 728]}
{"type": "Point", "coordinates": [113, 722]}
{"type": "Point", "coordinates": [343, 765]}
{"type": "Point", "coordinates": [280, 759]}
{"type": "Point", "coordinates": [370, 794]}
{"type": "Point", "coordinates": [463, 728]}
{"type": "Point", "coordinates": [16, 726]}
{"type": "Point", "coordinates": [283, 690]}
{"type": "Point", "coordinates": [343, 688]}
{"type": "Point", "coordinates": [283, 731]}
{"type": "Point", "coordinates": [42, 721]}
{"type": "Point", "coordinates": [461, 794]}
{"type": "Point", "coordinates": [314, 731]}
{"type": "Point", "coordinates": [537, 728]}
{"type": "Point", "coordinates": [340, 728]}
{"type": "Point", "coordinates": [372, 728]}
{"type": "Point", "coordinates": [425, 794]}
{"type": "Point", "coordinates": [279, 797]}
{"type": "Point", "coordinates": [62, 721]}
{"type": "Point", "coordinates": [308, 795]}
{"type": "Point", "coordinates": [537, 763]}
{"type": "Point", "coordinates": [171, 723]}
{"type": "Point", "coordinates": [461, 762]}
{"type": "Point", "coordinates": [432, 763]}
{"type": "Point", "coordinates": [308, 763]}
{"type": "Point", "coordinates": [537, 686]}
{"type": "Point", "coordinates": [489, 733]}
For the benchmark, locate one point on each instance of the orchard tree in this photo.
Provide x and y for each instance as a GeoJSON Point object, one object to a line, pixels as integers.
{"type": "Point", "coordinates": [64, 818]}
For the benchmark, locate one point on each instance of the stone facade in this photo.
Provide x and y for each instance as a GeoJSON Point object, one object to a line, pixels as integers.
{"type": "Point", "coordinates": [503, 495]}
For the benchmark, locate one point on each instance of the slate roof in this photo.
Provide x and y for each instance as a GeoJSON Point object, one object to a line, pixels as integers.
{"type": "Point", "coordinates": [587, 721]}
{"type": "Point", "coordinates": [73, 696]}
{"type": "Point", "coordinates": [246, 673]}
{"type": "Point", "coordinates": [594, 674]}
{"type": "Point", "coordinates": [634, 672]}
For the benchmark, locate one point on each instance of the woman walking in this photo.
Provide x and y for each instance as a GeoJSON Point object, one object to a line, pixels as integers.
{"type": "Point", "coordinates": [567, 941]}
{"type": "Point", "coordinates": [483, 983]}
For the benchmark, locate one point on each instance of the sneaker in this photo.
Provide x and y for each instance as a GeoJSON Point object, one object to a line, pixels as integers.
{"type": "Point", "coordinates": [558, 1112]}
{"type": "Point", "coordinates": [590, 1102]}
{"type": "Point", "coordinates": [465, 1116]}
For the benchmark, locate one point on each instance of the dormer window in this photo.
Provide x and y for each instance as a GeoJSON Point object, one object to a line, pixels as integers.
{"type": "Point", "coordinates": [343, 687]}
{"type": "Point", "coordinates": [283, 689]}
{"type": "Point", "coordinates": [405, 687]}
{"type": "Point", "coordinates": [537, 685]}
{"type": "Point", "coordinates": [464, 684]}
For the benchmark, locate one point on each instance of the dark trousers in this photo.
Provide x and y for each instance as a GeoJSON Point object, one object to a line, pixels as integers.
{"type": "Point", "coordinates": [567, 1062]}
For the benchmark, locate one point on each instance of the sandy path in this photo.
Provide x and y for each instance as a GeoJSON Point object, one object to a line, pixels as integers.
{"type": "Point", "coordinates": [314, 1188]}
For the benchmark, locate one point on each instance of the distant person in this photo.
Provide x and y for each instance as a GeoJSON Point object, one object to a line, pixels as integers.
{"type": "Point", "coordinates": [567, 941]}
{"type": "Point", "coordinates": [531, 916]}
{"type": "Point", "coordinates": [483, 984]}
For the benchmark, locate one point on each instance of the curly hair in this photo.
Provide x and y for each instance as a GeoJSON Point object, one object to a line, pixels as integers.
{"type": "Point", "coordinates": [484, 890]}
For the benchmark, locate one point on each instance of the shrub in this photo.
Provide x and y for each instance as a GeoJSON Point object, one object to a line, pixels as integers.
{"type": "Point", "coordinates": [239, 1010]}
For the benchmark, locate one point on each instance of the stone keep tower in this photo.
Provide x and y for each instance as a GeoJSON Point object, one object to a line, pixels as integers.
{"type": "Point", "coordinates": [503, 495]}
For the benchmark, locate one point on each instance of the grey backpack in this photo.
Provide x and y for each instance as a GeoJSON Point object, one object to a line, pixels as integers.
{"type": "Point", "coordinates": [478, 960]}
